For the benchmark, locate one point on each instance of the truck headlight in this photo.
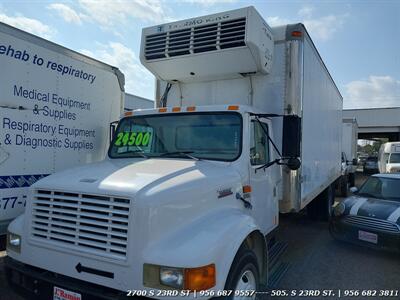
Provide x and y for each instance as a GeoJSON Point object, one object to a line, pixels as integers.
{"type": "Point", "coordinates": [339, 209]}
{"type": "Point", "coordinates": [193, 279]}
{"type": "Point", "coordinates": [171, 277]}
{"type": "Point", "coordinates": [13, 242]}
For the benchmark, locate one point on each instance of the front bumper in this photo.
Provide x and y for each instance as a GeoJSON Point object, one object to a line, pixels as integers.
{"type": "Point", "coordinates": [343, 231]}
{"type": "Point", "coordinates": [35, 283]}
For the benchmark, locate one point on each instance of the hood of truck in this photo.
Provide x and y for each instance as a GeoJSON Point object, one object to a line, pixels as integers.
{"type": "Point", "coordinates": [127, 176]}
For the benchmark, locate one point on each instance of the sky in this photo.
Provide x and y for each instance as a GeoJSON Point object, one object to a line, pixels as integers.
{"type": "Point", "coordinates": [359, 41]}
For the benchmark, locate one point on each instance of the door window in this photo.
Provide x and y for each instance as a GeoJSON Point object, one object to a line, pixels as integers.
{"type": "Point", "coordinates": [259, 144]}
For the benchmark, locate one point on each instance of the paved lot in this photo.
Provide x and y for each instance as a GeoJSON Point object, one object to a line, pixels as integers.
{"type": "Point", "coordinates": [317, 261]}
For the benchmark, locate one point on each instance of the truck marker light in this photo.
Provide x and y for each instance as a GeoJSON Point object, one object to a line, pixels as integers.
{"type": "Point", "coordinates": [176, 109]}
{"type": "Point", "coordinates": [247, 189]}
{"type": "Point", "coordinates": [164, 109]}
{"type": "Point", "coordinates": [13, 242]}
{"type": "Point", "coordinates": [128, 114]}
{"type": "Point", "coordinates": [200, 279]}
{"type": "Point", "coordinates": [297, 33]}
{"type": "Point", "coordinates": [191, 108]}
{"type": "Point", "coordinates": [233, 107]}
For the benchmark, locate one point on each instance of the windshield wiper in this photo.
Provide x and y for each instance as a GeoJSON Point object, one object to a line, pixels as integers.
{"type": "Point", "coordinates": [185, 153]}
{"type": "Point", "coordinates": [138, 151]}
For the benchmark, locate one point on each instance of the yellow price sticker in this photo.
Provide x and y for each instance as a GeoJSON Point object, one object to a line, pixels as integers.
{"type": "Point", "coordinates": [141, 139]}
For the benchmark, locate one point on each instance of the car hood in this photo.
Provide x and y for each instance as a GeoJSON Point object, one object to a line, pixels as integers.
{"type": "Point", "coordinates": [381, 209]}
{"type": "Point", "coordinates": [127, 176]}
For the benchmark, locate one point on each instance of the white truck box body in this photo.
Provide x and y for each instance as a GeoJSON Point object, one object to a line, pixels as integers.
{"type": "Point", "coordinates": [33, 141]}
{"type": "Point", "coordinates": [299, 83]}
{"type": "Point", "coordinates": [133, 102]}
{"type": "Point", "coordinates": [349, 140]}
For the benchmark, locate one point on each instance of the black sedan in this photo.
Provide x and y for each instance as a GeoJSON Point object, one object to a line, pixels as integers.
{"type": "Point", "coordinates": [370, 217]}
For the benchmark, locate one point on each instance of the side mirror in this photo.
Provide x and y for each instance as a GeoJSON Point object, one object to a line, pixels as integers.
{"type": "Point", "coordinates": [291, 136]}
{"type": "Point", "coordinates": [293, 163]}
{"type": "Point", "coordinates": [354, 190]}
{"type": "Point", "coordinates": [113, 128]}
{"type": "Point", "coordinates": [355, 161]}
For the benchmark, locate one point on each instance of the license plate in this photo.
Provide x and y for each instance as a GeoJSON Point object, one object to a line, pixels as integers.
{"type": "Point", "coordinates": [368, 237]}
{"type": "Point", "coordinates": [62, 294]}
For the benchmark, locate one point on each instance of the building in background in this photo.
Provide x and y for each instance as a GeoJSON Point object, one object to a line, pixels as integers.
{"type": "Point", "coordinates": [133, 102]}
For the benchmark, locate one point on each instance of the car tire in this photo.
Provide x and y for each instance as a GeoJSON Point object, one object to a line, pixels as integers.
{"type": "Point", "coordinates": [244, 274]}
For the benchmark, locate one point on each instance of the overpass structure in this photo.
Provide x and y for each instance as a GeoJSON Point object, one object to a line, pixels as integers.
{"type": "Point", "coordinates": [376, 122]}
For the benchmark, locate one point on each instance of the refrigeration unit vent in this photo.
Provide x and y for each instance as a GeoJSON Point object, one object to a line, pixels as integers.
{"type": "Point", "coordinates": [220, 46]}
{"type": "Point", "coordinates": [222, 35]}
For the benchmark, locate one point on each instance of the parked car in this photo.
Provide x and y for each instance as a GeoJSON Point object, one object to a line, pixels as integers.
{"type": "Point", "coordinates": [371, 216]}
{"type": "Point", "coordinates": [371, 165]}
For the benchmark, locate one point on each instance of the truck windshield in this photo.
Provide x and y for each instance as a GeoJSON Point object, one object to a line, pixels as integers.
{"type": "Point", "coordinates": [394, 158]}
{"type": "Point", "coordinates": [203, 135]}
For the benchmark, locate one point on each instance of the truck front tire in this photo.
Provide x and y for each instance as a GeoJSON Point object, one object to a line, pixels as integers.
{"type": "Point", "coordinates": [244, 274]}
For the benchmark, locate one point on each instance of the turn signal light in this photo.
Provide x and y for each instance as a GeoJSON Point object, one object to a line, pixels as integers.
{"type": "Point", "coordinates": [233, 107]}
{"type": "Point", "coordinates": [200, 279]}
{"type": "Point", "coordinates": [128, 114]}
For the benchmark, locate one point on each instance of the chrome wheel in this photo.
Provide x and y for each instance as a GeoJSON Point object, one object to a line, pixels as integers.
{"type": "Point", "coordinates": [246, 283]}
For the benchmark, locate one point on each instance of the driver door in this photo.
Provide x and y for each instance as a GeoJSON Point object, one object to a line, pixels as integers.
{"type": "Point", "coordinates": [263, 192]}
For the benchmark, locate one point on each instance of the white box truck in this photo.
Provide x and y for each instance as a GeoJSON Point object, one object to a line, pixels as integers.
{"type": "Point", "coordinates": [55, 110]}
{"type": "Point", "coordinates": [191, 191]}
{"type": "Point", "coordinates": [389, 158]}
{"type": "Point", "coordinates": [349, 155]}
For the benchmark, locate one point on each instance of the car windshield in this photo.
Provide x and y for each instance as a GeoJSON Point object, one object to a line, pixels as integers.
{"type": "Point", "coordinates": [381, 187]}
{"type": "Point", "coordinates": [202, 135]}
{"type": "Point", "coordinates": [394, 158]}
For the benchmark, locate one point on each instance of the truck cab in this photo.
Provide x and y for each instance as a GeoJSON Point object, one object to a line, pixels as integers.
{"type": "Point", "coordinates": [177, 180]}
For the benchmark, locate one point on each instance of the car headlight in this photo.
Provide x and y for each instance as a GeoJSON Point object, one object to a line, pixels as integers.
{"type": "Point", "coordinates": [193, 279]}
{"type": "Point", "coordinates": [13, 242]}
{"type": "Point", "coordinates": [339, 209]}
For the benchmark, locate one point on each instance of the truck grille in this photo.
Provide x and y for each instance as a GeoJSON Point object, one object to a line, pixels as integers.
{"type": "Point", "coordinates": [89, 223]}
{"type": "Point", "coordinates": [197, 39]}
{"type": "Point", "coordinates": [372, 223]}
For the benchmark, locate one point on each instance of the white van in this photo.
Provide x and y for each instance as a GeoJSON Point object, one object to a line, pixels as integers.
{"type": "Point", "coordinates": [389, 158]}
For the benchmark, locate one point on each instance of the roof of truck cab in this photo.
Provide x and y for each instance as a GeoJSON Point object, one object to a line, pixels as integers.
{"type": "Point", "coordinates": [193, 109]}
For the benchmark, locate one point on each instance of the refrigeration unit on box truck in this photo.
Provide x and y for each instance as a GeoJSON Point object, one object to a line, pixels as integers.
{"type": "Point", "coordinates": [248, 124]}
{"type": "Point", "coordinates": [55, 110]}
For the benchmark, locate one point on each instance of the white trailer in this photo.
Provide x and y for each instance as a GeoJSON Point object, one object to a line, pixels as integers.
{"type": "Point", "coordinates": [191, 190]}
{"type": "Point", "coordinates": [133, 102]}
{"type": "Point", "coordinates": [55, 110]}
{"type": "Point", "coordinates": [349, 154]}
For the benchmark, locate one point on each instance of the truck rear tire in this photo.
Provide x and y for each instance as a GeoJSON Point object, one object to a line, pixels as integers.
{"type": "Point", "coordinates": [352, 179]}
{"type": "Point", "coordinates": [243, 275]}
{"type": "Point", "coordinates": [344, 186]}
{"type": "Point", "coordinates": [321, 207]}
